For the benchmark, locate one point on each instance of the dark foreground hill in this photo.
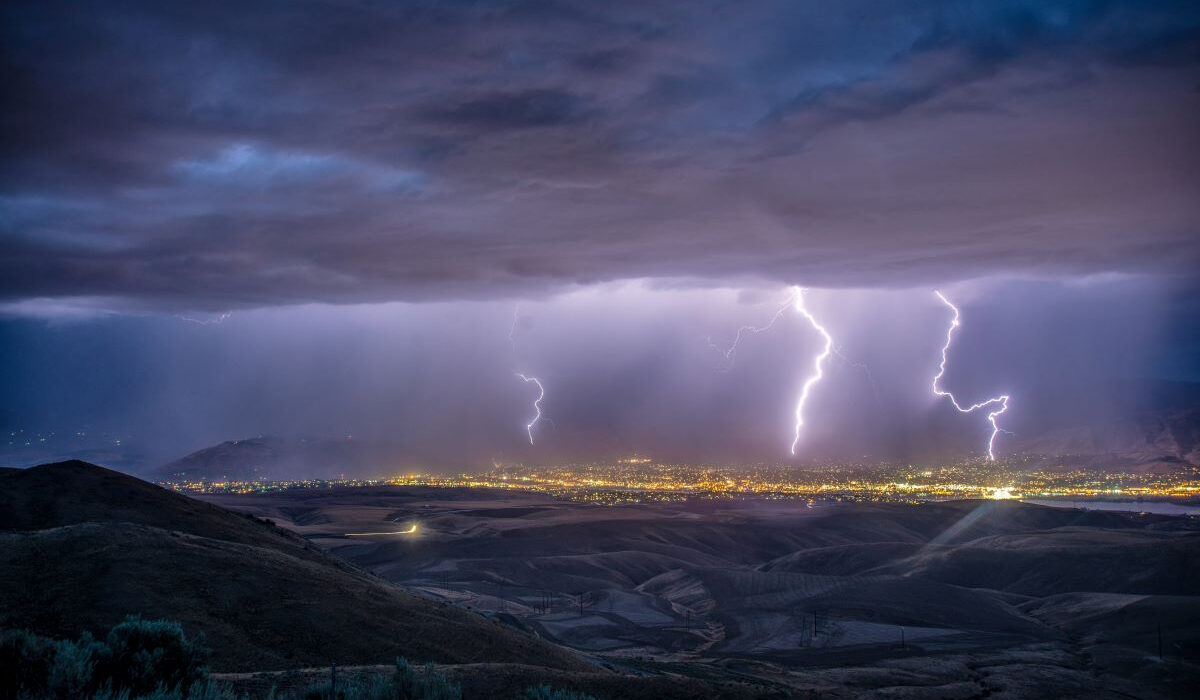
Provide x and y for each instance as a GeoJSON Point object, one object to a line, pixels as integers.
{"type": "Point", "coordinates": [74, 492]}
{"type": "Point", "coordinates": [81, 547]}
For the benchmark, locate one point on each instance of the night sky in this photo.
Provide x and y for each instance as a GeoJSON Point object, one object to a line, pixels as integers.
{"type": "Point", "coordinates": [219, 220]}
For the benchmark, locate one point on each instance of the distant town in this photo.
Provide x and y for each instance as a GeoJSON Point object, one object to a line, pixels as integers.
{"type": "Point", "coordinates": [641, 480]}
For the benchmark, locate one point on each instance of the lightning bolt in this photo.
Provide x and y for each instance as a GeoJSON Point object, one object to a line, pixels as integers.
{"type": "Point", "coordinates": [866, 370]}
{"type": "Point", "coordinates": [512, 330]}
{"type": "Point", "coordinates": [818, 362]}
{"type": "Point", "coordinates": [537, 404]}
{"type": "Point", "coordinates": [1001, 400]}
{"type": "Point", "coordinates": [731, 352]}
{"type": "Point", "coordinates": [203, 321]}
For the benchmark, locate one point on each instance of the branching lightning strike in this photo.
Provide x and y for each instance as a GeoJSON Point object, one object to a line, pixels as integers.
{"type": "Point", "coordinates": [730, 353]}
{"type": "Point", "coordinates": [1001, 400]}
{"type": "Point", "coordinates": [866, 370]}
{"type": "Point", "coordinates": [537, 404]}
{"type": "Point", "coordinates": [796, 300]}
{"type": "Point", "coordinates": [818, 363]}
{"type": "Point", "coordinates": [205, 321]}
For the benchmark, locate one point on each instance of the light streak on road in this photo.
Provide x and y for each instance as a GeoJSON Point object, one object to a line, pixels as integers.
{"type": "Point", "coordinates": [412, 530]}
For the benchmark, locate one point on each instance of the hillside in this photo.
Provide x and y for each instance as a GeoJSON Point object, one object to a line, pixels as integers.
{"type": "Point", "coordinates": [73, 492]}
{"type": "Point", "coordinates": [1065, 560]}
{"type": "Point", "coordinates": [81, 547]}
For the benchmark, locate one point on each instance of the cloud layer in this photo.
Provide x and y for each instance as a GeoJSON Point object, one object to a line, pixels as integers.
{"type": "Point", "coordinates": [229, 155]}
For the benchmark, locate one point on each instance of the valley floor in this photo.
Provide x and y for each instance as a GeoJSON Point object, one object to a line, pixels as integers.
{"type": "Point", "coordinates": [766, 598]}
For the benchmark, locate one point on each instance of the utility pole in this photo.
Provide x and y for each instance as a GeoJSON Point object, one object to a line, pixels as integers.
{"type": "Point", "coordinates": [333, 681]}
{"type": "Point", "coordinates": [1160, 642]}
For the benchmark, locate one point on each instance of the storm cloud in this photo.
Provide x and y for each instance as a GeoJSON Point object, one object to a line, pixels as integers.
{"type": "Point", "coordinates": [228, 155]}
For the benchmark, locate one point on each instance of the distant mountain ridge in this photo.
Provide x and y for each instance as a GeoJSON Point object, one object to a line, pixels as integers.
{"type": "Point", "coordinates": [1151, 437]}
{"type": "Point", "coordinates": [1166, 439]}
{"type": "Point", "coordinates": [268, 457]}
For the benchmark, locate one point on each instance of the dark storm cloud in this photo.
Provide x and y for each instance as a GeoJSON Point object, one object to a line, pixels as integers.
{"type": "Point", "coordinates": [244, 154]}
{"type": "Point", "coordinates": [520, 110]}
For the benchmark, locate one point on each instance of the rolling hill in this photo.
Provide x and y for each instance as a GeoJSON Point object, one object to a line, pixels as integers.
{"type": "Point", "coordinates": [81, 547]}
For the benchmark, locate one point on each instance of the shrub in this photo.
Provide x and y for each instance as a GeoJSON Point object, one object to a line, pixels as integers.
{"type": "Point", "coordinates": [428, 685]}
{"type": "Point", "coordinates": [407, 683]}
{"type": "Point", "coordinates": [142, 656]}
{"type": "Point", "coordinates": [208, 690]}
{"type": "Point", "coordinates": [545, 692]}
{"type": "Point", "coordinates": [72, 673]}
{"type": "Point", "coordinates": [139, 660]}
{"type": "Point", "coordinates": [204, 690]}
{"type": "Point", "coordinates": [25, 660]}
{"type": "Point", "coordinates": [318, 691]}
{"type": "Point", "coordinates": [377, 688]}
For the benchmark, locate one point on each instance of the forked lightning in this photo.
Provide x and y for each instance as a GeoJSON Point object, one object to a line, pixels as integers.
{"type": "Point", "coordinates": [1001, 400]}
